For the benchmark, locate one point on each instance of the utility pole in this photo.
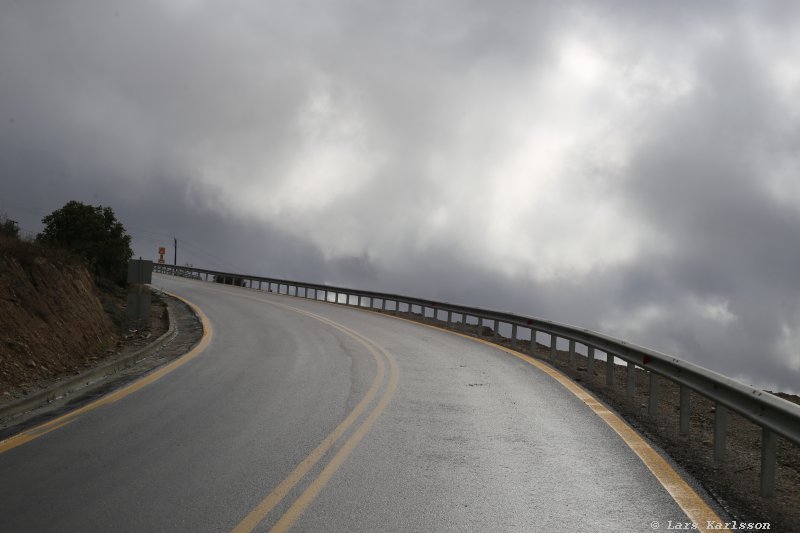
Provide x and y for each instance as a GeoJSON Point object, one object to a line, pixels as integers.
{"type": "Point", "coordinates": [175, 260]}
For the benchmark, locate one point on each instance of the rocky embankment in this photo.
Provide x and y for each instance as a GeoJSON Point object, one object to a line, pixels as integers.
{"type": "Point", "coordinates": [52, 319]}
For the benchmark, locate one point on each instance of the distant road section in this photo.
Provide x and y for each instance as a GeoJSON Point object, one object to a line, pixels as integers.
{"type": "Point", "coordinates": [307, 416]}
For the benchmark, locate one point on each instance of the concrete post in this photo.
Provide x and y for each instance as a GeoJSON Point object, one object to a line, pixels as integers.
{"type": "Point", "coordinates": [630, 383]}
{"type": "Point", "coordinates": [609, 370]}
{"type": "Point", "coordinates": [652, 407]}
{"type": "Point", "coordinates": [572, 358]}
{"type": "Point", "coordinates": [720, 429]}
{"type": "Point", "coordinates": [685, 410]}
{"type": "Point", "coordinates": [769, 444]}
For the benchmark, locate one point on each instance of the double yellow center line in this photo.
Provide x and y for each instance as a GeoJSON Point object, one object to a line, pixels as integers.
{"type": "Point", "coordinates": [381, 358]}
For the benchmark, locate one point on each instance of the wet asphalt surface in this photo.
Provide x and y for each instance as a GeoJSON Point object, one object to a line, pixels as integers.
{"type": "Point", "coordinates": [472, 439]}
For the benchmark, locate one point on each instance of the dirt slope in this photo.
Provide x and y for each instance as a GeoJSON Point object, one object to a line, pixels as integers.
{"type": "Point", "coordinates": [51, 316]}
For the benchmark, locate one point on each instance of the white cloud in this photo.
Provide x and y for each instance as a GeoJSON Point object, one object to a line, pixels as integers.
{"type": "Point", "coordinates": [714, 309]}
{"type": "Point", "coordinates": [787, 347]}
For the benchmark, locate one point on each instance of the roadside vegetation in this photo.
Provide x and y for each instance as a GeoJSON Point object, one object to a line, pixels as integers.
{"type": "Point", "coordinates": [94, 234]}
{"type": "Point", "coordinates": [62, 296]}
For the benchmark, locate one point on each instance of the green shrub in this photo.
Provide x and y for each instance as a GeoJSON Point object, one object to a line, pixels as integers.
{"type": "Point", "coordinates": [93, 233]}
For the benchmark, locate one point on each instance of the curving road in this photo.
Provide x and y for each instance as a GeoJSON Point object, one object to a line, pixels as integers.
{"type": "Point", "coordinates": [309, 416]}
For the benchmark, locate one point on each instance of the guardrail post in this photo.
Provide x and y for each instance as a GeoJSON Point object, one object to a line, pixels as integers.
{"type": "Point", "coordinates": [720, 428]}
{"type": "Point", "coordinates": [463, 322]}
{"type": "Point", "coordinates": [685, 408]}
{"type": "Point", "coordinates": [572, 355]}
{"type": "Point", "coordinates": [496, 329]}
{"type": "Point", "coordinates": [630, 384]}
{"type": "Point", "coordinates": [553, 340]}
{"type": "Point", "coordinates": [259, 284]}
{"type": "Point", "coordinates": [480, 326]}
{"type": "Point", "coordinates": [513, 335]}
{"type": "Point", "coordinates": [590, 361]}
{"type": "Point", "coordinates": [769, 442]}
{"type": "Point", "coordinates": [206, 276]}
{"type": "Point", "coordinates": [383, 304]}
{"type": "Point", "coordinates": [533, 341]}
{"type": "Point", "coordinates": [652, 407]}
{"type": "Point", "coordinates": [610, 370]}
{"type": "Point", "coordinates": [409, 310]}
{"type": "Point", "coordinates": [449, 318]}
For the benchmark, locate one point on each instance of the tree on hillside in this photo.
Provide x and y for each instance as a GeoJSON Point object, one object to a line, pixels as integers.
{"type": "Point", "coordinates": [92, 232]}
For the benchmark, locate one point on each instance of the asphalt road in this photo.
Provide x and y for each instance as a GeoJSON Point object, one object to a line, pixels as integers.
{"type": "Point", "coordinates": [315, 417]}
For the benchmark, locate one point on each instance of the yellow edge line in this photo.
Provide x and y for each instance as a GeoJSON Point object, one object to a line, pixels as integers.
{"type": "Point", "coordinates": [36, 432]}
{"type": "Point", "coordinates": [695, 507]}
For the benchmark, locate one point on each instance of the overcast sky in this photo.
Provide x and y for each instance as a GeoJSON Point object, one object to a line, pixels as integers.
{"type": "Point", "coordinates": [630, 167]}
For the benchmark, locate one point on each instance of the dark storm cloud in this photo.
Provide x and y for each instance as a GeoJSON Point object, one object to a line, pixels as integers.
{"type": "Point", "coordinates": [625, 166]}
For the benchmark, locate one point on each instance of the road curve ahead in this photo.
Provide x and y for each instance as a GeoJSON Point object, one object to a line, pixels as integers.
{"type": "Point", "coordinates": [307, 416]}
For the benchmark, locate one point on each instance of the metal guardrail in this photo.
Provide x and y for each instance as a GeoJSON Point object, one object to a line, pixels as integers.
{"type": "Point", "coordinates": [774, 415]}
